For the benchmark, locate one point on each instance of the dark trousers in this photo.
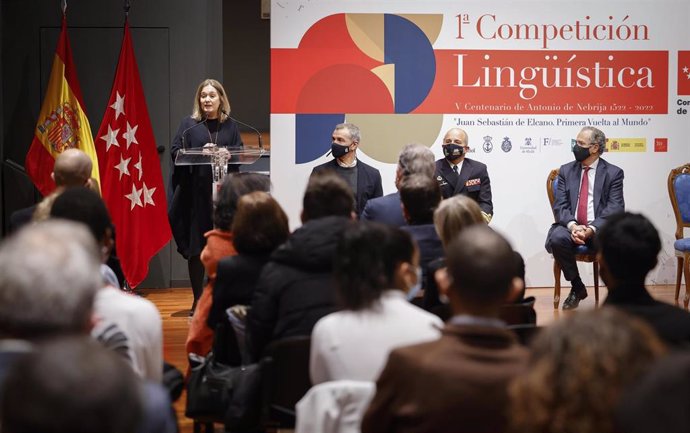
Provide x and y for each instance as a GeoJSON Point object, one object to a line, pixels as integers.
{"type": "Point", "coordinates": [560, 244]}
{"type": "Point", "coordinates": [196, 276]}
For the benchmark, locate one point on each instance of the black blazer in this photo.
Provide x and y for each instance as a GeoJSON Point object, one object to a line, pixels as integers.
{"type": "Point", "coordinates": [368, 182]}
{"type": "Point", "coordinates": [672, 324]}
{"type": "Point", "coordinates": [472, 181]}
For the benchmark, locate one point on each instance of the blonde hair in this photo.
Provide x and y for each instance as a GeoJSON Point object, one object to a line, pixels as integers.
{"type": "Point", "coordinates": [224, 109]}
{"type": "Point", "coordinates": [455, 214]}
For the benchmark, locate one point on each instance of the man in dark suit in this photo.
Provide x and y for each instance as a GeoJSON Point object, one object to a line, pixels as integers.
{"type": "Point", "coordinates": [459, 175]}
{"type": "Point", "coordinates": [580, 212]}
{"type": "Point", "coordinates": [364, 180]}
{"type": "Point", "coordinates": [460, 382]}
{"type": "Point", "coordinates": [628, 249]}
{"type": "Point", "coordinates": [413, 159]}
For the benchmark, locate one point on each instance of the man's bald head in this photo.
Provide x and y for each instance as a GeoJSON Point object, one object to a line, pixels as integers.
{"type": "Point", "coordinates": [455, 135]}
{"type": "Point", "coordinates": [481, 264]}
{"type": "Point", "coordinates": [72, 168]}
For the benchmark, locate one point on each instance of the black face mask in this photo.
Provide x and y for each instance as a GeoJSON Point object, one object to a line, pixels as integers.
{"type": "Point", "coordinates": [580, 153]}
{"type": "Point", "coordinates": [453, 151]}
{"type": "Point", "coordinates": [339, 151]}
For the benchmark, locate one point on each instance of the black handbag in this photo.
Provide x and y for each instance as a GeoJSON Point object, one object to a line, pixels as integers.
{"type": "Point", "coordinates": [209, 388]}
{"type": "Point", "coordinates": [221, 393]}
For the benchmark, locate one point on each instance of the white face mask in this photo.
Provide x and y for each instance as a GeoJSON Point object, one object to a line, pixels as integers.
{"type": "Point", "coordinates": [414, 290]}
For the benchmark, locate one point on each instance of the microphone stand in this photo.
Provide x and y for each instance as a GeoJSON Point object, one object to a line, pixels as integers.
{"type": "Point", "coordinates": [258, 134]}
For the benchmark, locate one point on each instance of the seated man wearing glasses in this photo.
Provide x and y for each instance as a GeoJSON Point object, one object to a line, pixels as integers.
{"type": "Point", "coordinates": [589, 191]}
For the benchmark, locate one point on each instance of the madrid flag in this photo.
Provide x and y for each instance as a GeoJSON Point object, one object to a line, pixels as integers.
{"type": "Point", "coordinates": [131, 179]}
{"type": "Point", "coordinates": [684, 73]}
{"type": "Point", "coordinates": [62, 122]}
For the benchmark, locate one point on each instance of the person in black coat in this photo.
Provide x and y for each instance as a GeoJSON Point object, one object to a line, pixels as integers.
{"type": "Point", "coordinates": [259, 226]}
{"type": "Point", "coordinates": [457, 174]}
{"type": "Point", "coordinates": [296, 287]}
{"type": "Point", "coordinates": [191, 203]}
{"type": "Point", "coordinates": [628, 248]}
{"type": "Point", "coordinates": [420, 197]}
{"type": "Point", "coordinates": [364, 180]}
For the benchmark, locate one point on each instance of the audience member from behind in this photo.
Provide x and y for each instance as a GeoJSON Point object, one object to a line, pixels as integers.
{"type": "Point", "coordinates": [219, 244]}
{"type": "Point", "coordinates": [125, 323]}
{"type": "Point", "coordinates": [71, 385]}
{"type": "Point", "coordinates": [413, 159]}
{"type": "Point", "coordinates": [296, 288]}
{"type": "Point", "coordinates": [658, 401]}
{"type": "Point", "coordinates": [452, 216]}
{"type": "Point", "coordinates": [49, 276]}
{"type": "Point", "coordinates": [577, 370]}
{"type": "Point", "coordinates": [459, 382]}
{"type": "Point", "coordinates": [72, 168]}
{"type": "Point", "coordinates": [259, 227]}
{"type": "Point", "coordinates": [375, 266]}
{"type": "Point", "coordinates": [420, 197]}
{"type": "Point", "coordinates": [628, 249]}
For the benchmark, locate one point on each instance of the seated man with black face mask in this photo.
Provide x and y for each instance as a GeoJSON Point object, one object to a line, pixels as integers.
{"type": "Point", "coordinates": [459, 175]}
{"type": "Point", "coordinates": [364, 180]}
{"type": "Point", "coordinates": [589, 191]}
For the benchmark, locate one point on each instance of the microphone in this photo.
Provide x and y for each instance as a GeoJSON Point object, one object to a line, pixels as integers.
{"type": "Point", "coordinates": [184, 147]}
{"type": "Point", "coordinates": [258, 134]}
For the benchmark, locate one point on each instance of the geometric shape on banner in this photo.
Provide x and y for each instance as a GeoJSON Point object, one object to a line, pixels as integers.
{"type": "Point", "coordinates": [313, 135]}
{"type": "Point", "coordinates": [387, 75]}
{"type": "Point", "coordinates": [384, 135]}
{"type": "Point", "coordinates": [430, 24]}
{"type": "Point", "coordinates": [342, 89]}
{"type": "Point", "coordinates": [366, 31]}
{"type": "Point", "coordinates": [408, 48]}
{"type": "Point", "coordinates": [684, 73]}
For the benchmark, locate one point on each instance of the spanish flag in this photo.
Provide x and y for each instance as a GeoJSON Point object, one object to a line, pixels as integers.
{"type": "Point", "coordinates": [62, 122]}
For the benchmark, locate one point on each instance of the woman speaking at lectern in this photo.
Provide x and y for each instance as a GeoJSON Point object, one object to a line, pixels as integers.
{"type": "Point", "coordinates": [191, 207]}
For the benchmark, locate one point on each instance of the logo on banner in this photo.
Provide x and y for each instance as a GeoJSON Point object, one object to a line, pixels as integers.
{"type": "Point", "coordinates": [661, 145]}
{"type": "Point", "coordinates": [626, 144]}
{"type": "Point", "coordinates": [488, 146]}
{"type": "Point", "coordinates": [551, 142]}
{"type": "Point", "coordinates": [684, 72]}
{"type": "Point", "coordinates": [506, 146]}
{"type": "Point", "coordinates": [528, 146]}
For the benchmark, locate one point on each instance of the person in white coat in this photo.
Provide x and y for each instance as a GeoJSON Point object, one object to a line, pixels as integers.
{"type": "Point", "coordinates": [376, 271]}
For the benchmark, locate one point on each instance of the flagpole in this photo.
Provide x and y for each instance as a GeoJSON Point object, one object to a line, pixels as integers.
{"type": "Point", "coordinates": [64, 6]}
{"type": "Point", "coordinates": [126, 7]}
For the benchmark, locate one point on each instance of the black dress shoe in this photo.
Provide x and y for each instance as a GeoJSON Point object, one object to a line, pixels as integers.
{"type": "Point", "coordinates": [573, 299]}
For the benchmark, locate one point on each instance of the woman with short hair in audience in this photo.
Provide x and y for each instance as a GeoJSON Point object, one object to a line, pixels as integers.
{"type": "Point", "coordinates": [375, 269]}
{"type": "Point", "coordinates": [577, 370]}
{"type": "Point", "coordinates": [259, 227]}
{"type": "Point", "coordinates": [219, 244]}
{"type": "Point", "coordinates": [453, 215]}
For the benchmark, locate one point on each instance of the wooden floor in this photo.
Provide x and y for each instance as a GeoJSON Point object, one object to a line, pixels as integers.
{"type": "Point", "coordinates": [174, 308]}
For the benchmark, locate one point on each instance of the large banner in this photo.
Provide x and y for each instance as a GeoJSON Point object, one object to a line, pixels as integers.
{"type": "Point", "coordinates": [522, 78]}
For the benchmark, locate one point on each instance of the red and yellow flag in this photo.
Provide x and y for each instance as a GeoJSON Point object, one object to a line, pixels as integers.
{"type": "Point", "coordinates": [62, 122]}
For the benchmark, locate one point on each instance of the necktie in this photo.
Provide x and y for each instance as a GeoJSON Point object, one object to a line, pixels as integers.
{"type": "Point", "coordinates": [455, 168]}
{"type": "Point", "coordinates": [584, 198]}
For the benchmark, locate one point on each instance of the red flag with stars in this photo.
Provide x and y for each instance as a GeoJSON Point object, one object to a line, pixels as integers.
{"type": "Point", "coordinates": [684, 73]}
{"type": "Point", "coordinates": [131, 179]}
